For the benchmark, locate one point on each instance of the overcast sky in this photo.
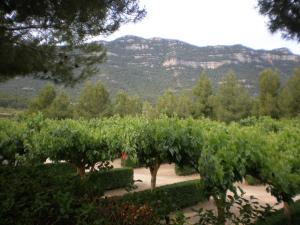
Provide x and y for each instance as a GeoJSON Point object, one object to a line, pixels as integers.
{"type": "Point", "coordinates": [206, 22]}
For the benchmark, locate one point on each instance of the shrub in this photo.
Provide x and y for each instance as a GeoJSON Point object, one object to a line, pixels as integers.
{"type": "Point", "coordinates": [130, 162]}
{"type": "Point", "coordinates": [114, 178]}
{"type": "Point", "coordinates": [39, 195]}
{"type": "Point", "coordinates": [252, 180]}
{"type": "Point", "coordinates": [168, 198]}
{"type": "Point", "coordinates": [184, 170]}
{"type": "Point", "coordinates": [277, 218]}
{"type": "Point", "coordinates": [122, 213]}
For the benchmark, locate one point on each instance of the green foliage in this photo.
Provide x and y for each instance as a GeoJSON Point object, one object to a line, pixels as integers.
{"type": "Point", "coordinates": [248, 211]}
{"type": "Point", "coordinates": [289, 97]}
{"type": "Point", "coordinates": [130, 161]}
{"type": "Point", "coordinates": [39, 195]}
{"type": "Point", "coordinates": [168, 198]}
{"type": "Point", "coordinates": [277, 218]}
{"type": "Point", "coordinates": [269, 85]}
{"type": "Point", "coordinates": [203, 92]}
{"type": "Point", "coordinates": [167, 103]}
{"type": "Point", "coordinates": [283, 16]}
{"type": "Point", "coordinates": [252, 180]}
{"type": "Point", "coordinates": [77, 142]}
{"type": "Point", "coordinates": [232, 102]}
{"type": "Point", "coordinates": [60, 108]}
{"type": "Point", "coordinates": [113, 178]}
{"type": "Point", "coordinates": [49, 36]}
{"type": "Point", "coordinates": [11, 141]}
{"type": "Point", "coordinates": [93, 101]}
{"type": "Point", "coordinates": [127, 105]}
{"type": "Point", "coordinates": [149, 111]}
{"type": "Point", "coordinates": [184, 107]}
{"type": "Point", "coordinates": [44, 99]}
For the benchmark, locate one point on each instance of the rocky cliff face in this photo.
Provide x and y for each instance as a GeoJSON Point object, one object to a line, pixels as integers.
{"type": "Point", "coordinates": [147, 67]}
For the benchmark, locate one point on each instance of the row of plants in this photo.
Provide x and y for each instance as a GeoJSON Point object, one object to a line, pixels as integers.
{"type": "Point", "coordinates": [222, 155]}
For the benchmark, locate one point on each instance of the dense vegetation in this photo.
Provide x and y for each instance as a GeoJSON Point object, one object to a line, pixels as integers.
{"type": "Point", "coordinates": [229, 102]}
{"type": "Point", "coordinates": [222, 154]}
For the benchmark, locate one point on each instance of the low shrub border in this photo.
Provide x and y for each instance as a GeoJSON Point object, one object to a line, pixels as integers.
{"type": "Point", "coordinates": [109, 179]}
{"type": "Point", "coordinates": [169, 198]}
{"type": "Point", "coordinates": [113, 178]}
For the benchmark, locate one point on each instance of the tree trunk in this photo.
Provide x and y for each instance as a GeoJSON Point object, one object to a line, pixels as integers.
{"type": "Point", "coordinates": [81, 172]}
{"type": "Point", "coordinates": [220, 203]}
{"type": "Point", "coordinates": [287, 212]}
{"type": "Point", "coordinates": [153, 171]}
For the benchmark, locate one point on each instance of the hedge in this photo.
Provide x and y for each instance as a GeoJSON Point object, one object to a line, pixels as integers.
{"type": "Point", "coordinates": [278, 218]}
{"type": "Point", "coordinates": [113, 178]}
{"type": "Point", "coordinates": [107, 179]}
{"type": "Point", "coordinates": [168, 198]}
{"type": "Point", "coordinates": [38, 195]}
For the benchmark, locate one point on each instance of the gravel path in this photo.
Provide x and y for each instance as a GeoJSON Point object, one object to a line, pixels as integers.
{"type": "Point", "coordinates": [166, 175]}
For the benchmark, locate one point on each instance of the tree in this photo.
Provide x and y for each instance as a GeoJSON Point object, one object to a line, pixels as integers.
{"type": "Point", "coordinates": [203, 92]}
{"type": "Point", "coordinates": [232, 102]}
{"type": "Point", "coordinates": [60, 108]}
{"type": "Point", "coordinates": [44, 99]}
{"type": "Point", "coordinates": [127, 105]}
{"type": "Point", "coordinates": [220, 166]}
{"type": "Point", "coordinates": [284, 16]}
{"type": "Point", "coordinates": [289, 97]}
{"type": "Point", "coordinates": [153, 141]}
{"type": "Point", "coordinates": [167, 103]}
{"type": "Point", "coordinates": [48, 37]}
{"type": "Point", "coordinates": [78, 142]}
{"type": "Point", "coordinates": [184, 105]}
{"type": "Point", "coordinates": [93, 101]}
{"type": "Point", "coordinates": [149, 111]}
{"type": "Point", "coordinates": [269, 85]}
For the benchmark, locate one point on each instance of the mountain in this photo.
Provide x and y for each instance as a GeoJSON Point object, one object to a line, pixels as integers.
{"type": "Point", "coordinates": [147, 67]}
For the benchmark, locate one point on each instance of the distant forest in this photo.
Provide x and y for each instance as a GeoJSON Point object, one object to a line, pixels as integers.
{"type": "Point", "coordinates": [229, 101]}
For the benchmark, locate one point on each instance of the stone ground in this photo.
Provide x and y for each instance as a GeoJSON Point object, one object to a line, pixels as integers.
{"type": "Point", "coordinates": [166, 175]}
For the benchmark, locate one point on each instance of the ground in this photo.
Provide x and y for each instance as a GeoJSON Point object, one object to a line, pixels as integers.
{"type": "Point", "coordinates": [166, 175]}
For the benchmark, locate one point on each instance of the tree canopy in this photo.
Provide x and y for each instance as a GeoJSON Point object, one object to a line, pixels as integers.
{"type": "Point", "coordinates": [48, 37]}
{"type": "Point", "coordinates": [284, 16]}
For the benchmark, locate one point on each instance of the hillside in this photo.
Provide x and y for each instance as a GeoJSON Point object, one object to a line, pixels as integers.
{"type": "Point", "coordinates": [146, 67]}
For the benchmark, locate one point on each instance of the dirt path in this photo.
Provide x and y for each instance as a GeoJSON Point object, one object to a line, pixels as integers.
{"type": "Point", "coordinates": [166, 175]}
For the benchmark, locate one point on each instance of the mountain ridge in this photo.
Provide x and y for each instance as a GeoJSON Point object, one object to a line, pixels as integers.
{"type": "Point", "coordinates": [147, 67]}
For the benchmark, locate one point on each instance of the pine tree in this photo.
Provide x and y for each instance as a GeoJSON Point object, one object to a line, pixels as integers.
{"type": "Point", "coordinates": [232, 102]}
{"type": "Point", "coordinates": [43, 100]}
{"type": "Point", "coordinates": [202, 93]}
{"type": "Point", "coordinates": [93, 101]}
{"type": "Point", "coordinates": [167, 103]}
{"type": "Point", "coordinates": [47, 38]}
{"type": "Point", "coordinates": [269, 85]}
{"type": "Point", "coordinates": [289, 97]}
{"type": "Point", "coordinates": [60, 108]}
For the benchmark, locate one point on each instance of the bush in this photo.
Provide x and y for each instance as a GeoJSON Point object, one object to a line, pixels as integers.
{"type": "Point", "coordinates": [42, 195]}
{"type": "Point", "coordinates": [130, 162]}
{"type": "Point", "coordinates": [168, 198]}
{"type": "Point", "coordinates": [278, 218]}
{"type": "Point", "coordinates": [122, 213]}
{"type": "Point", "coordinates": [113, 178]}
{"type": "Point", "coordinates": [252, 180]}
{"type": "Point", "coordinates": [184, 170]}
